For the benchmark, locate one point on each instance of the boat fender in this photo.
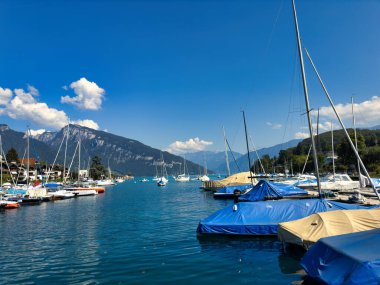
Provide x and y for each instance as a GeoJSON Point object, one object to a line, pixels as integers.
{"type": "Point", "coordinates": [234, 208]}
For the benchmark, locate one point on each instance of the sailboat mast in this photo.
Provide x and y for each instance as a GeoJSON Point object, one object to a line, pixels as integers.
{"type": "Point", "coordinates": [64, 159]}
{"type": "Point", "coordinates": [356, 139]}
{"type": "Point", "coordinates": [315, 159]}
{"type": "Point", "coordinates": [79, 143]}
{"type": "Point", "coordinates": [344, 128]}
{"type": "Point", "coordinates": [28, 155]}
{"type": "Point", "coordinates": [226, 153]}
{"type": "Point", "coordinates": [1, 162]}
{"type": "Point", "coordinates": [246, 141]}
{"type": "Point", "coordinates": [332, 148]}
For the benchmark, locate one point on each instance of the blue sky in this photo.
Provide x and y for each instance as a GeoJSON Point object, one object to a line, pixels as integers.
{"type": "Point", "coordinates": [166, 71]}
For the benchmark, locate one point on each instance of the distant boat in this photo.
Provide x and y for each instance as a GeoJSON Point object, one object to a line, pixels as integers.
{"type": "Point", "coordinates": [120, 180]}
{"type": "Point", "coordinates": [162, 181]}
{"type": "Point", "coordinates": [183, 177]}
{"type": "Point", "coordinates": [144, 180]}
{"type": "Point", "coordinates": [204, 178]}
{"type": "Point", "coordinates": [105, 182]}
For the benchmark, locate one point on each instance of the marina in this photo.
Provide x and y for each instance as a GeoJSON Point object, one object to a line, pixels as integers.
{"type": "Point", "coordinates": [192, 200]}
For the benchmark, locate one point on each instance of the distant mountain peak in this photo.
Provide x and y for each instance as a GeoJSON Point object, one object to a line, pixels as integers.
{"type": "Point", "coordinates": [4, 127]}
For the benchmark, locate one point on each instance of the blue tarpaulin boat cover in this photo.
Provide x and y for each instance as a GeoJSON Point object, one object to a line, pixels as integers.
{"type": "Point", "coordinates": [231, 189]}
{"type": "Point", "coordinates": [345, 259]}
{"type": "Point", "coordinates": [262, 218]}
{"type": "Point", "coordinates": [264, 190]}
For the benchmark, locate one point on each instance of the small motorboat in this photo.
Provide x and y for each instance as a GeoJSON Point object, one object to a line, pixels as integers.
{"type": "Point", "coordinates": [9, 204]}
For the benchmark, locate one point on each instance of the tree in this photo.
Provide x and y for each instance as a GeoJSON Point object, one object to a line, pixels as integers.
{"type": "Point", "coordinates": [97, 170]}
{"type": "Point", "coordinates": [12, 155]}
{"type": "Point", "coordinates": [346, 154]}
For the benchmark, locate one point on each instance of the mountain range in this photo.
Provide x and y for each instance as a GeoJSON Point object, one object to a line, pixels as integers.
{"type": "Point", "coordinates": [123, 155]}
{"type": "Point", "coordinates": [216, 161]}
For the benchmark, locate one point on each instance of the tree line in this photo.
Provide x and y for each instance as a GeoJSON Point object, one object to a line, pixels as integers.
{"type": "Point", "coordinates": [295, 157]}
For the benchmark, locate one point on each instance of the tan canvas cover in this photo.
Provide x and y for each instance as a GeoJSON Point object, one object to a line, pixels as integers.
{"type": "Point", "coordinates": [305, 232]}
{"type": "Point", "coordinates": [235, 179]}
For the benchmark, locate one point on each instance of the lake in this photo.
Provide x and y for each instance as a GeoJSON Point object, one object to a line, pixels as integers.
{"type": "Point", "coordinates": [135, 233]}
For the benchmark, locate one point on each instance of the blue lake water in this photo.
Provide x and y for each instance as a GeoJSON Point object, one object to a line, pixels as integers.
{"type": "Point", "coordinates": [135, 233]}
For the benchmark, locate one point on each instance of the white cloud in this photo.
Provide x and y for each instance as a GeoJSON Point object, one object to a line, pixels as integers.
{"type": "Point", "coordinates": [37, 132]}
{"type": "Point", "coordinates": [21, 104]}
{"type": "Point", "coordinates": [368, 109]}
{"type": "Point", "coordinates": [87, 123]}
{"type": "Point", "coordinates": [89, 96]}
{"type": "Point", "coordinates": [25, 106]}
{"type": "Point", "coordinates": [274, 126]}
{"type": "Point", "coordinates": [190, 145]}
{"type": "Point", "coordinates": [5, 95]}
{"type": "Point", "coordinates": [33, 90]}
{"type": "Point", "coordinates": [301, 135]}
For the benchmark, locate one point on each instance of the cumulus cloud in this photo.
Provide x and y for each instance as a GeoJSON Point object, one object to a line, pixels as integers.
{"type": "Point", "coordinates": [190, 145]}
{"type": "Point", "coordinates": [23, 104]}
{"type": "Point", "coordinates": [274, 126]}
{"type": "Point", "coordinates": [89, 96]}
{"type": "Point", "coordinates": [87, 123]}
{"type": "Point", "coordinates": [369, 108]}
{"type": "Point", "coordinates": [5, 96]}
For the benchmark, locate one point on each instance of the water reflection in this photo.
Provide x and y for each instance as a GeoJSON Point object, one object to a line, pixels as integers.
{"type": "Point", "coordinates": [250, 249]}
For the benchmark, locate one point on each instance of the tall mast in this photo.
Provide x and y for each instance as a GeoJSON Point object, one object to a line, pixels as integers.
{"type": "Point", "coordinates": [28, 155]}
{"type": "Point", "coordinates": [64, 160]}
{"type": "Point", "coordinates": [356, 139]}
{"type": "Point", "coordinates": [79, 143]}
{"type": "Point", "coordinates": [315, 159]}
{"type": "Point", "coordinates": [344, 128]}
{"type": "Point", "coordinates": [246, 140]}
{"type": "Point", "coordinates": [332, 148]}
{"type": "Point", "coordinates": [226, 153]}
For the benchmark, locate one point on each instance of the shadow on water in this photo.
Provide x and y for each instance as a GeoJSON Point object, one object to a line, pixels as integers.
{"type": "Point", "coordinates": [249, 248]}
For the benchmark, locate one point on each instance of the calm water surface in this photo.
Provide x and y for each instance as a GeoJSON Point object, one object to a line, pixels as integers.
{"type": "Point", "coordinates": [135, 233]}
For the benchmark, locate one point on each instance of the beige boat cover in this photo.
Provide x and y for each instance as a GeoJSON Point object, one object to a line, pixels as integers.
{"type": "Point", "coordinates": [235, 179]}
{"type": "Point", "coordinates": [307, 231]}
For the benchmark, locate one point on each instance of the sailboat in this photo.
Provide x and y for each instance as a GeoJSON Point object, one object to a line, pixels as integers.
{"type": "Point", "coordinates": [204, 177]}
{"type": "Point", "coordinates": [183, 177]}
{"type": "Point", "coordinates": [162, 181]}
{"type": "Point", "coordinates": [106, 181]}
{"type": "Point", "coordinates": [156, 178]}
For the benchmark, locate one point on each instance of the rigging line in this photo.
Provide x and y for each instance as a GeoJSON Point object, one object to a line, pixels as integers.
{"type": "Point", "coordinates": [273, 28]}
{"type": "Point", "coordinates": [229, 147]}
{"type": "Point", "coordinates": [55, 159]}
{"type": "Point", "coordinates": [257, 154]}
{"type": "Point", "coordinates": [9, 169]}
{"type": "Point", "coordinates": [72, 160]}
